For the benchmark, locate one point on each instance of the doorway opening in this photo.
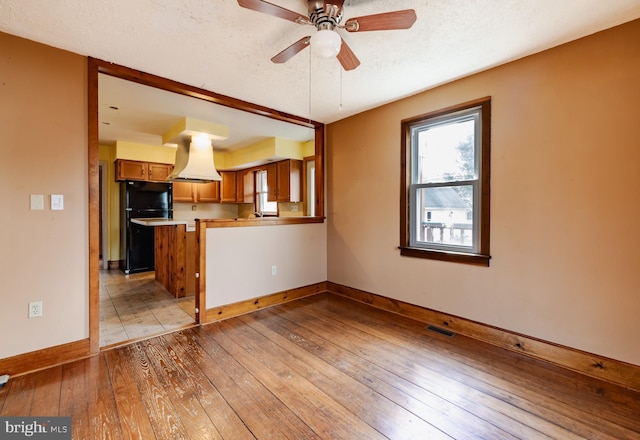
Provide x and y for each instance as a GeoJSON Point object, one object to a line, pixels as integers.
{"type": "Point", "coordinates": [131, 306]}
{"type": "Point", "coordinates": [136, 306]}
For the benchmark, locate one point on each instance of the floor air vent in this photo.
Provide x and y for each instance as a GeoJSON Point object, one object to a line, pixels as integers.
{"type": "Point", "coordinates": [442, 331]}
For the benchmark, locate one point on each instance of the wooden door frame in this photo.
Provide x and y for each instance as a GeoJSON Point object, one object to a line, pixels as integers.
{"type": "Point", "coordinates": [94, 68]}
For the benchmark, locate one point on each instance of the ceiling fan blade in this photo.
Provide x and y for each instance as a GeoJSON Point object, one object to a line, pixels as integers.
{"type": "Point", "coordinates": [275, 10]}
{"type": "Point", "coordinates": [337, 3]}
{"type": "Point", "coordinates": [292, 50]}
{"type": "Point", "coordinates": [347, 58]}
{"type": "Point", "coordinates": [380, 22]}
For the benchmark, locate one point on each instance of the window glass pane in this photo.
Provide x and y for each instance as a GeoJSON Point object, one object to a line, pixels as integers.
{"type": "Point", "coordinates": [311, 187]}
{"type": "Point", "coordinates": [445, 215]}
{"type": "Point", "coordinates": [263, 205]}
{"type": "Point", "coordinates": [446, 152]}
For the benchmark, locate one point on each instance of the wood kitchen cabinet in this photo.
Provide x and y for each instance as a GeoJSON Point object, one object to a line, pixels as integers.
{"type": "Point", "coordinates": [138, 170]}
{"type": "Point", "coordinates": [183, 192]}
{"type": "Point", "coordinates": [228, 187]}
{"type": "Point", "coordinates": [272, 182]}
{"type": "Point", "coordinates": [158, 171]}
{"type": "Point", "coordinates": [248, 186]}
{"type": "Point", "coordinates": [240, 187]}
{"type": "Point", "coordinates": [175, 263]}
{"type": "Point", "coordinates": [187, 192]}
{"type": "Point", "coordinates": [208, 192]}
{"type": "Point", "coordinates": [289, 181]}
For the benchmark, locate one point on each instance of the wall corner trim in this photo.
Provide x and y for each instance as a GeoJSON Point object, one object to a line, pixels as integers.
{"type": "Point", "coordinates": [592, 365]}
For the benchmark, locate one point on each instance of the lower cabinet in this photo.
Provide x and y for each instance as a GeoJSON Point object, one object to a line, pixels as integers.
{"type": "Point", "coordinates": [175, 263]}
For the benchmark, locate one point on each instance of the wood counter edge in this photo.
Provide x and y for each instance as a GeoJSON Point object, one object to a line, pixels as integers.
{"type": "Point", "coordinates": [264, 221]}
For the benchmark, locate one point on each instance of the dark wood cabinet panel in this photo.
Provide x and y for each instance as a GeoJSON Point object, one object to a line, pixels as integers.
{"type": "Point", "coordinates": [175, 259]}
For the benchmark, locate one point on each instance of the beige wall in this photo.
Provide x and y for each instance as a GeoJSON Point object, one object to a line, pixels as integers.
{"type": "Point", "coordinates": [43, 134]}
{"type": "Point", "coordinates": [43, 146]}
{"type": "Point", "coordinates": [239, 260]}
{"type": "Point", "coordinates": [565, 230]}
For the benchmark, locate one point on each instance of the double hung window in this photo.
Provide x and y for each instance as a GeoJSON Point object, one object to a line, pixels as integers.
{"type": "Point", "coordinates": [263, 205]}
{"type": "Point", "coordinates": [445, 186]}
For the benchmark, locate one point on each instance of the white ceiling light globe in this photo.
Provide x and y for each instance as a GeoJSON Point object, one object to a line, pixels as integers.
{"type": "Point", "coordinates": [326, 43]}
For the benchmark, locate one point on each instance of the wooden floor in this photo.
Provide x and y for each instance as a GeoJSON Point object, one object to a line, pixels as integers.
{"type": "Point", "coordinates": [321, 367]}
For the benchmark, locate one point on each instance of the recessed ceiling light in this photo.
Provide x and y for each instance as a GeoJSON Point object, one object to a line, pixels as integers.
{"type": "Point", "coordinates": [113, 107]}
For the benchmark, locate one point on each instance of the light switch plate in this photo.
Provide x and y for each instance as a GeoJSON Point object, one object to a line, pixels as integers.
{"type": "Point", "coordinates": [57, 202]}
{"type": "Point", "coordinates": [37, 202]}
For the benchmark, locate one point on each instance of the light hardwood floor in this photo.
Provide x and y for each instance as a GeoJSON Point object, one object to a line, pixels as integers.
{"type": "Point", "coordinates": [322, 367]}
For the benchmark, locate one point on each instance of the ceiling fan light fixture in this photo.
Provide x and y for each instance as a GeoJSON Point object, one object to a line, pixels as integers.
{"type": "Point", "coordinates": [326, 43]}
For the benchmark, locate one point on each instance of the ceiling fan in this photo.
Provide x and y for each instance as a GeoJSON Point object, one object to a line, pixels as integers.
{"type": "Point", "coordinates": [326, 16]}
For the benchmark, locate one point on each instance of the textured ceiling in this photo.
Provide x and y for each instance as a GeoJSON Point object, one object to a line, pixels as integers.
{"type": "Point", "coordinates": [219, 46]}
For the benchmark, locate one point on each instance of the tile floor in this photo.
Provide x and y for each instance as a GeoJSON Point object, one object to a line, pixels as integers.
{"type": "Point", "coordinates": [137, 306]}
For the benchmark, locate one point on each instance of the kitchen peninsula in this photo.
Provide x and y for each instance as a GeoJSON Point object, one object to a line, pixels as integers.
{"type": "Point", "coordinates": [174, 247]}
{"type": "Point", "coordinates": [175, 243]}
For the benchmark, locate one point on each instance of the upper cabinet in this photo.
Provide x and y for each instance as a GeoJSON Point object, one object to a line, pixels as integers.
{"type": "Point", "coordinates": [187, 192]}
{"type": "Point", "coordinates": [159, 171]}
{"type": "Point", "coordinates": [284, 182]}
{"type": "Point", "coordinates": [208, 192]}
{"type": "Point", "coordinates": [248, 186]}
{"type": "Point", "coordinates": [137, 170]}
{"type": "Point", "coordinates": [228, 187]}
{"type": "Point", "coordinates": [272, 182]}
{"type": "Point", "coordinates": [289, 181]}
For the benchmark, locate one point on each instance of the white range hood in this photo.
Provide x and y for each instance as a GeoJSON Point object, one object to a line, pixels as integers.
{"type": "Point", "coordinates": [194, 156]}
{"type": "Point", "coordinates": [194, 162]}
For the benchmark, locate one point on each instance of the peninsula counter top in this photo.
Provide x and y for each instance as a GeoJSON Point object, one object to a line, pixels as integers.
{"type": "Point", "coordinates": [228, 222]}
{"type": "Point", "coordinates": [191, 224]}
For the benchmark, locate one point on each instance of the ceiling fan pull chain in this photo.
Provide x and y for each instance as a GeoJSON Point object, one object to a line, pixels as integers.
{"type": "Point", "coordinates": [310, 57]}
{"type": "Point", "coordinates": [340, 106]}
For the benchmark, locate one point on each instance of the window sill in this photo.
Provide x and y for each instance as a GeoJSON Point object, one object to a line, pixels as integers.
{"type": "Point", "coordinates": [454, 257]}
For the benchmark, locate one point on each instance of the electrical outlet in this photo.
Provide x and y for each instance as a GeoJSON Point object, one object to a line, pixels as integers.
{"type": "Point", "coordinates": [274, 270]}
{"type": "Point", "coordinates": [35, 309]}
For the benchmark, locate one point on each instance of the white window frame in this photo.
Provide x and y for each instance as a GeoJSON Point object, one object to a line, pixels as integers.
{"type": "Point", "coordinates": [263, 206]}
{"type": "Point", "coordinates": [475, 115]}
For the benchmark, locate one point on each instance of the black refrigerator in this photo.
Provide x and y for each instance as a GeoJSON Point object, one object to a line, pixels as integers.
{"type": "Point", "coordinates": [141, 200]}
